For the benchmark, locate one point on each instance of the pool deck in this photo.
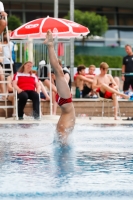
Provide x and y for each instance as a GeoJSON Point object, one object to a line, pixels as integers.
{"type": "Point", "coordinates": [79, 120]}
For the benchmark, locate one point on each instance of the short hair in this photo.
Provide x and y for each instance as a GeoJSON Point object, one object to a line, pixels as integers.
{"type": "Point", "coordinates": [104, 65]}
{"type": "Point", "coordinates": [92, 66]}
{"type": "Point", "coordinates": [80, 68]}
{"type": "Point", "coordinates": [128, 45]}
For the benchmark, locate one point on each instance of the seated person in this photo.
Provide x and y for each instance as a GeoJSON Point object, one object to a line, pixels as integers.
{"type": "Point", "coordinates": [44, 76]}
{"type": "Point", "coordinates": [43, 94]}
{"type": "Point", "coordinates": [66, 74]}
{"type": "Point", "coordinates": [27, 86]}
{"type": "Point", "coordinates": [106, 86]}
{"type": "Point", "coordinates": [81, 82]}
{"type": "Point", "coordinates": [91, 71]}
{"type": "Point", "coordinates": [90, 74]}
{"type": "Point", "coordinates": [7, 52]}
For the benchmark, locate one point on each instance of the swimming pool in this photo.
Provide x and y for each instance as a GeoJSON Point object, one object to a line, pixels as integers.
{"type": "Point", "coordinates": [97, 165]}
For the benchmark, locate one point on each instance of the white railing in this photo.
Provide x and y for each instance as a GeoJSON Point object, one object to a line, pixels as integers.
{"type": "Point", "coordinates": [115, 71]}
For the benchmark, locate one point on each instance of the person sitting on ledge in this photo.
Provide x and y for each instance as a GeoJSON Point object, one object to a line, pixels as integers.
{"type": "Point", "coordinates": [106, 86]}
{"type": "Point", "coordinates": [82, 83]}
{"type": "Point", "coordinates": [67, 118]}
{"type": "Point", "coordinates": [27, 86]}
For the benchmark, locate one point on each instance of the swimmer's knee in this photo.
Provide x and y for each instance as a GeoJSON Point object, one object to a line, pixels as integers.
{"type": "Point", "coordinates": [114, 96]}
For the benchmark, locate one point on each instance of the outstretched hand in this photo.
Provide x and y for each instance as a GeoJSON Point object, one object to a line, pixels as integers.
{"type": "Point", "coordinates": [49, 38]}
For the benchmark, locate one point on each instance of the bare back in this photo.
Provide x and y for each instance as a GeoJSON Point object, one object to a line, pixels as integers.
{"type": "Point", "coordinates": [79, 82]}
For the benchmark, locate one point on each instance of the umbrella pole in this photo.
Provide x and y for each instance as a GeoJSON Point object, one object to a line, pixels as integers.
{"type": "Point", "coordinates": [50, 91]}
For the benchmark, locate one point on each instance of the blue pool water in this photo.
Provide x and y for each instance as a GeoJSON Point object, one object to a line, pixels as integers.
{"type": "Point", "coordinates": [97, 165]}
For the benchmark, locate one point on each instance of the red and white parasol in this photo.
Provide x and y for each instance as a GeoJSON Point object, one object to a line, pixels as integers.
{"type": "Point", "coordinates": [61, 28]}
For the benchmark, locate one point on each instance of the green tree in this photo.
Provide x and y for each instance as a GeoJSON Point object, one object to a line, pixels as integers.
{"type": "Point", "coordinates": [13, 22]}
{"type": "Point", "coordinates": [97, 24]}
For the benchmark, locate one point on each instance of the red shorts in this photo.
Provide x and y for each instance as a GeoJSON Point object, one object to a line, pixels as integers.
{"type": "Point", "coordinates": [62, 101]}
{"type": "Point", "coordinates": [107, 94]}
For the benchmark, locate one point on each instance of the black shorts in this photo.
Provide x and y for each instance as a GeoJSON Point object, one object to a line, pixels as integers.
{"type": "Point", "coordinates": [43, 79]}
{"type": "Point", "coordinates": [86, 90]}
{"type": "Point", "coordinates": [101, 94]}
{"type": "Point", "coordinates": [128, 81]}
{"type": "Point", "coordinates": [7, 66]}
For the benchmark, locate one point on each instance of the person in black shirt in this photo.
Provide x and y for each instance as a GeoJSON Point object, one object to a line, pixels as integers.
{"type": "Point", "coordinates": [127, 68]}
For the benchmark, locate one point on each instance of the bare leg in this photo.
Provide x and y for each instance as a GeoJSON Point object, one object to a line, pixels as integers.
{"type": "Point", "coordinates": [54, 91]}
{"type": "Point", "coordinates": [47, 84]}
{"type": "Point", "coordinates": [2, 85]}
{"type": "Point", "coordinates": [67, 118]}
{"type": "Point", "coordinates": [11, 98]}
{"type": "Point", "coordinates": [115, 103]}
{"type": "Point", "coordinates": [117, 80]}
{"type": "Point", "coordinates": [54, 108]}
{"type": "Point", "coordinates": [105, 88]}
{"type": "Point", "coordinates": [44, 91]}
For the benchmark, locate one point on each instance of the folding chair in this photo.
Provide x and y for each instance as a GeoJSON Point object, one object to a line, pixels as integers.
{"type": "Point", "coordinates": [16, 102]}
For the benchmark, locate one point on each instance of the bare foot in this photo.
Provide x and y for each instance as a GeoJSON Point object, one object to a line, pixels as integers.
{"type": "Point", "coordinates": [125, 96]}
{"type": "Point", "coordinates": [115, 118]}
{"type": "Point", "coordinates": [49, 38]}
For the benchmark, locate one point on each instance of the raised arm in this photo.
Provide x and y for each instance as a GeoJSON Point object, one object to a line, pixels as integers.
{"type": "Point", "coordinates": [83, 78]}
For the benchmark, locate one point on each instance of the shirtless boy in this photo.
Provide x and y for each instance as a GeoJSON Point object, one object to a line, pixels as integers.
{"type": "Point", "coordinates": [101, 84]}
{"type": "Point", "coordinates": [67, 119]}
{"type": "Point", "coordinates": [82, 82]}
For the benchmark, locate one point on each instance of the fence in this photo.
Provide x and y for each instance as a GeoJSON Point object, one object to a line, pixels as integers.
{"type": "Point", "coordinates": [36, 51]}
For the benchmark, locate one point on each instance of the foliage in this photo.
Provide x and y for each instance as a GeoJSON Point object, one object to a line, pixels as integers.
{"type": "Point", "coordinates": [13, 22]}
{"type": "Point", "coordinates": [113, 61]}
{"type": "Point", "coordinates": [97, 24]}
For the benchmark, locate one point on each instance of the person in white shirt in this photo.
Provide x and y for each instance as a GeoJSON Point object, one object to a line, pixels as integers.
{"type": "Point", "coordinates": [7, 61]}
{"type": "Point", "coordinates": [3, 14]}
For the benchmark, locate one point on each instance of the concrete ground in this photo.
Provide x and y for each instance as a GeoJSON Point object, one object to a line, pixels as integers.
{"type": "Point", "coordinates": [79, 120]}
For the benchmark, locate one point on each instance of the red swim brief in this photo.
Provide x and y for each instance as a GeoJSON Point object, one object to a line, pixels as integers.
{"type": "Point", "coordinates": [62, 101]}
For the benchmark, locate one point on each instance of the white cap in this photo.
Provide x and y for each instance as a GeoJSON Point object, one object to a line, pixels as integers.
{"type": "Point", "coordinates": [42, 62]}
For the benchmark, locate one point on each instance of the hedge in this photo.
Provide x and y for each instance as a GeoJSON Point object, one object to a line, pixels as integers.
{"type": "Point", "coordinates": [113, 61]}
